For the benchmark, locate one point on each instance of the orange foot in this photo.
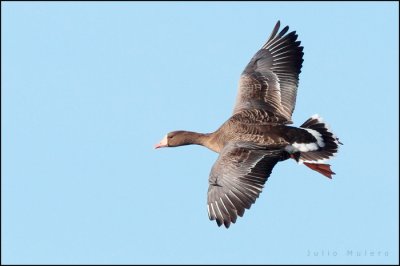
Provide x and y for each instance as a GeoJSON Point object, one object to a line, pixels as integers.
{"type": "Point", "coordinates": [324, 169]}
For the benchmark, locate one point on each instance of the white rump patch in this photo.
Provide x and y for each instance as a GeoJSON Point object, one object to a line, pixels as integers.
{"type": "Point", "coordinates": [305, 147]}
{"type": "Point", "coordinates": [302, 147]}
{"type": "Point", "coordinates": [290, 149]}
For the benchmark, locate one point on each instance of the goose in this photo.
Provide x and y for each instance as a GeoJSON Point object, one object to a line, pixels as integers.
{"type": "Point", "coordinates": [257, 136]}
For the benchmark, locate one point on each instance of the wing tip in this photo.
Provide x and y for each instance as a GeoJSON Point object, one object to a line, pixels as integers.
{"type": "Point", "coordinates": [278, 24]}
{"type": "Point", "coordinates": [223, 220]}
{"type": "Point", "coordinates": [274, 31]}
{"type": "Point", "coordinates": [276, 34]}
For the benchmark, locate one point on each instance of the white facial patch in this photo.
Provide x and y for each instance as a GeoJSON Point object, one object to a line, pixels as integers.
{"type": "Point", "coordinates": [163, 143]}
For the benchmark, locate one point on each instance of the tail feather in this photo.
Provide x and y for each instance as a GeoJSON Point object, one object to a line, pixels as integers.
{"type": "Point", "coordinates": [330, 143]}
{"type": "Point", "coordinates": [328, 146]}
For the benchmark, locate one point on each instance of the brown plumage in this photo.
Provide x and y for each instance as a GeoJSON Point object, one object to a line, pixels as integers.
{"type": "Point", "coordinates": [256, 136]}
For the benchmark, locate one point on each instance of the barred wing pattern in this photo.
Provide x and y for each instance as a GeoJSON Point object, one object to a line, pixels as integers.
{"type": "Point", "coordinates": [269, 82]}
{"type": "Point", "coordinates": [237, 179]}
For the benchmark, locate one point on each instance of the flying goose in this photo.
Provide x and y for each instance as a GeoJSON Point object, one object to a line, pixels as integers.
{"type": "Point", "coordinates": [257, 136]}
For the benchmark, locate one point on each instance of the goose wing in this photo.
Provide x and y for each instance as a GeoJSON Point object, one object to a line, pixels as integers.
{"type": "Point", "coordinates": [237, 179]}
{"type": "Point", "coordinates": [269, 82]}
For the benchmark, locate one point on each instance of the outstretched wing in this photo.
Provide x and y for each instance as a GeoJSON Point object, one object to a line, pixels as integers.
{"type": "Point", "coordinates": [269, 82]}
{"type": "Point", "coordinates": [237, 179]}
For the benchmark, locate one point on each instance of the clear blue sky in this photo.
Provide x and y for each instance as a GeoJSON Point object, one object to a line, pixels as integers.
{"type": "Point", "coordinates": [89, 88]}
